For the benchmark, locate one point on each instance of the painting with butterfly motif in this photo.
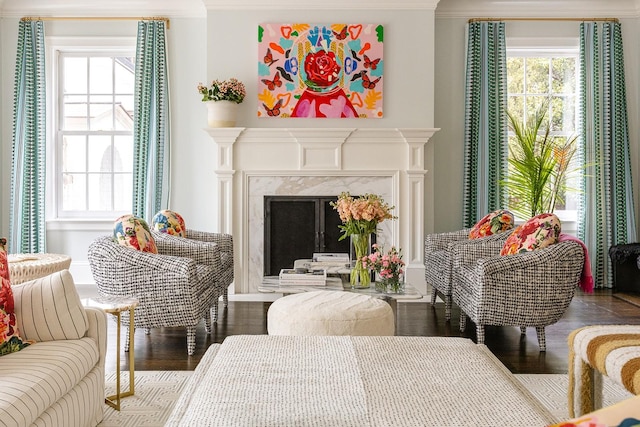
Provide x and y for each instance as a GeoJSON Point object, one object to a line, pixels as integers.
{"type": "Point", "coordinates": [320, 70]}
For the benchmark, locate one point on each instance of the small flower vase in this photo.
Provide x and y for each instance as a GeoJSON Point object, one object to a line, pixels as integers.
{"type": "Point", "coordinates": [391, 285]}
{"type": "Point", "coordinates": [360, 275]}
{"type": "Point", "coordinates": [221, 113]}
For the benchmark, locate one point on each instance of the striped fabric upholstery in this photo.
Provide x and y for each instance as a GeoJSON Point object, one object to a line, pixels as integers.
{"type": "Point", "coordinates": [594, 351]}
{"type": "Point", "coordinates": [50, 308]}
{"type": "Point", "coordinates": [527, 289]}
{"type": "Point", "coordinates": [438, 261]}
{"type": "Point", "coordinates": [172, 290]}
{"type": "Point", "coordinates": [56, 383]}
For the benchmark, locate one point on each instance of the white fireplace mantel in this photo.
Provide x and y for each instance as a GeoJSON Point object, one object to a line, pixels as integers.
{"type": "Point", "coordinates": [254, 162]}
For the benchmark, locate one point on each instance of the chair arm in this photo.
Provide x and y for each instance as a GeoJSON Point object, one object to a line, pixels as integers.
{"type": "Point", "coordinates": [439, 241]}
{"type": "Point", "coordinates": [470, 251]}
{"type": "Point", "coordinates": [551, 258]}
{"type": "Point", "coordinates": [224, 241]}
{"type": "Point", "coordinates": [207, 253]}
{"type": "Point", "coordinates": [98, 331]}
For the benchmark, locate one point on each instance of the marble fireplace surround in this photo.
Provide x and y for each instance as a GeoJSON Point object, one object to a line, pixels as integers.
{"type": "Point", "coordinates": [254, 162]}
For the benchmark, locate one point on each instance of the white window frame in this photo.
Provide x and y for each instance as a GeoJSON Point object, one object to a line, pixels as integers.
{"type": "Point", "coordinates": [552, 47]}
{"type": "Point", "coordinates": [121, 46]}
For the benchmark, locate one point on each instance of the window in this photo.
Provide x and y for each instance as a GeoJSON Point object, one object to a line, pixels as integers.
{"type": "Point", "coordinates": [94, 132]}
{"type": "Point", "coordinates": [534, 75]}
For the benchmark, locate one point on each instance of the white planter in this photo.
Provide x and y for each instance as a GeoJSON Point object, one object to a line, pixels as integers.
{"type": "Point", "coordinates": [221, 113]}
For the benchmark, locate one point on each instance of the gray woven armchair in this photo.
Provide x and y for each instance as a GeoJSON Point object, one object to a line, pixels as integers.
{"type": "Point", "coordinates": [172, 291]}
{"type": "Point", "coordinates": [438, 262]}
{"type": "Point", "coordinates": [527, 289]}
{"type": "Point", "coordinates": [200, 242]}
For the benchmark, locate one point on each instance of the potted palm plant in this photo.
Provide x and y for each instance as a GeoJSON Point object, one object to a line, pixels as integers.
{"type": "Point", "coordinates": [538, 164]}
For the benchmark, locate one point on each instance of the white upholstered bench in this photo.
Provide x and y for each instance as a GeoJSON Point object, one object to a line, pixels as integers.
{"type": "Point", "coordinates": [268, 380]}
{"type": "Point", "coordinates": [330, 313]}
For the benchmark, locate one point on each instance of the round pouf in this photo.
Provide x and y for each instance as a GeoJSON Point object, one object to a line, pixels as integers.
{"type": "Point", "coordinates": [330, 313]}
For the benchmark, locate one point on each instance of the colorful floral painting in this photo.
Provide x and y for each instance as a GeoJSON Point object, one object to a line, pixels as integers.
{"type": "Point", "coordinates": [320, 71]}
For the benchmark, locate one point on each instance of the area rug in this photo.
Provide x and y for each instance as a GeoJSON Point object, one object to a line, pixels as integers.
{"type": "Point", "coordinates": [157, 392]}
{"type": "Point", "coordinates": [155, 395]}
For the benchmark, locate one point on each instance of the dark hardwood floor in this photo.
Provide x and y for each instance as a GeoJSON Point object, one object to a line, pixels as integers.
{"type": "Point", "coordinates": [165, 349]}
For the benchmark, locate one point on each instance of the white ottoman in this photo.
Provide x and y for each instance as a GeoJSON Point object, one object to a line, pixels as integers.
{"type": "Point", "coordinates": [330, 313]}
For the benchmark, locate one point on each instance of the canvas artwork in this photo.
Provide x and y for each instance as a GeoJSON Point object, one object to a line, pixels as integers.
{"type": "Point", "coordinates": [320, 71]}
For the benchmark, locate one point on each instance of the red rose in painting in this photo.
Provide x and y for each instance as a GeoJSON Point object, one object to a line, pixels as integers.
{"type": "Point", "coordinates": [322, 69]}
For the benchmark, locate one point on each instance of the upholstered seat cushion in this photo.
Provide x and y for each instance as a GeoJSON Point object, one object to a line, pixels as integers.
{"type": "Point", "coordinates": [330, 313]}
{"type": "Point", "coordinates": [35, 378]}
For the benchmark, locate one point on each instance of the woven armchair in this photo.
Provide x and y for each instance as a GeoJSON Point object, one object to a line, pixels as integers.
{"type": "Point", "coordinates": [200, 242]}
{"type": "Point", "coordinates": [525, 289]}
{"type": "Point", "coordinates": [172, 291]}
{"type": "Point", "coordinates": [438, 262]}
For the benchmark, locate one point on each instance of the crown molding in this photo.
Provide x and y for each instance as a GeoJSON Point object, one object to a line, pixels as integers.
{"type": "Point", "coordinates": [316, 5]}
{"type": "Point", "coordinates": [538, 8]}
{"type": "Point", "coordinates": [98, 8]}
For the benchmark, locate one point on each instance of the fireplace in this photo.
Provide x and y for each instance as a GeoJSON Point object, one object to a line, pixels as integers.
{"type": "Point", "coordinates": [254, 163]}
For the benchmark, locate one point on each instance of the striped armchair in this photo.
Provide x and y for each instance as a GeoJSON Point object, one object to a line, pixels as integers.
{"type": "Point", "coordinates": [172, 290]}
{"type": "Point", "coordinates": [438, 262]}
{"type": "Point", "coordinates": [525, 289]}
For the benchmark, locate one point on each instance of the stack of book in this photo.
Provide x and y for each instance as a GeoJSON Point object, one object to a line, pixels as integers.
{"type": "Point", "coordinates": [292, 277]}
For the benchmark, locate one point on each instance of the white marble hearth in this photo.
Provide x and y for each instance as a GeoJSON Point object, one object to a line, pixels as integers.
{"type": "Point", "coordinates": [256, 162]}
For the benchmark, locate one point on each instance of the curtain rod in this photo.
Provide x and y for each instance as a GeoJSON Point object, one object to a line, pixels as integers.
{"type": "Point", "coordinates": [543, 19]}
{"type": "Point", "coordinates": [95, 18]}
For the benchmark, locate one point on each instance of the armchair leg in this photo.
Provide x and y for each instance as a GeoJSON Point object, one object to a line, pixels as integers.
{"type": "Point", "coordinates": [480, 334]}
{"type": "Point", "coordinates": [214, 312]}
{"type": "Point", "coordinates": [542, 340]}
{"type": "Point", "coordinates": [126, 341]}
{"type": "Point", "coordinates": [225, 298]}
{"type": "Point", "coordinates": [147, 331]}
{"type": "Point", "coordinates": [447, 307]}
{"type": "Point", "coordinates": [463, 321]}
{"type": "Point", "coordinates": [434, 295]}
{"type": "Point", "coordinates": [191, 340]}
{"type": "Point", "coordinates": [523, 330]}
{"type": "Point", "coordinates": [207, 321]}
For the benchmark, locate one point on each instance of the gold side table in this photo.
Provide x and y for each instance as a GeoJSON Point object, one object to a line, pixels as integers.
{"type": "Point", "coordinates": [115, 306]}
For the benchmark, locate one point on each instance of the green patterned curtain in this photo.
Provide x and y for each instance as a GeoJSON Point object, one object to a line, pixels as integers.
{"type": "Point", "coordinates": [606, 214]}
{"type": "Point", "coordinates": [27, 216]}
{"type": "Point", "coordinates": [485, 136]}
{"type": "Point", "coordinates": [151, 122]}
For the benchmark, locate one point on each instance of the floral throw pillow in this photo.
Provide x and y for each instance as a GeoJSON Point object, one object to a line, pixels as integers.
{"type": "Point", "coordinates": [10, 340]}
{"type": "Point", "coordinates": [492, 223]}
{"type": "Point", "coordinates": [134, 232]}
{"type": "Point", "coordinates": [537, 233]}
{"type": "Point", "coordinates": [169, 222]}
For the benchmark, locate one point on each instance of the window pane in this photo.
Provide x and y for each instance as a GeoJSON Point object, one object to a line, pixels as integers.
{"type": "Point", "coordinates": [74, 189]}
{"type": "Point", "coordinates": [515, 106]}
{"type": "Point", "coordinates": [74, 114]}
{"type": "Point", "coordinates": [101, 190]}
{"type": "Point", "coordinates": [74, 154]}
{"type": "Point", "coordinates": [533, 105]}
{"type": "Point", "coordinates": [563, 75]}
{"type": "Point", "coordinates": [124, 70]}
{"type": "Point", "coordinates": [75, 75]}
{"type": "Point", "coordinates": [101, 112]}
{"type": "Point", "coordinates": [515, 75]}
{"type": "Point", "coordinates": [123, 154]}
{"type": "Point", "coordinates": [101, 75]}
{"type": "Point", "coordinates": [537, 75]}
{"type": "Point", "coordinates": [124, 112]}
{"type": "Point", "coordinates": [100, 153]}
{"type": "Point", "coordinates": [123, 199]}
{"type": "Point", "coordinates": [563, 114]}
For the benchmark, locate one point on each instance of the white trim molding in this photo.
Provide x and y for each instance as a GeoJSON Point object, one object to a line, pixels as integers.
{"type": "Point", "coordinates": [254, 162]}
{"type": "Point", "coordinates": [538, 8]}
{"type": "Point", "coordinates": [324, 5]}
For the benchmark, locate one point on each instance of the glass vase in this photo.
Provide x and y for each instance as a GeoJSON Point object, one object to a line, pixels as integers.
{"type": "Point", "coordinates": [360, 275]}
{"type": "Point", "coordinates": [391, 285]}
